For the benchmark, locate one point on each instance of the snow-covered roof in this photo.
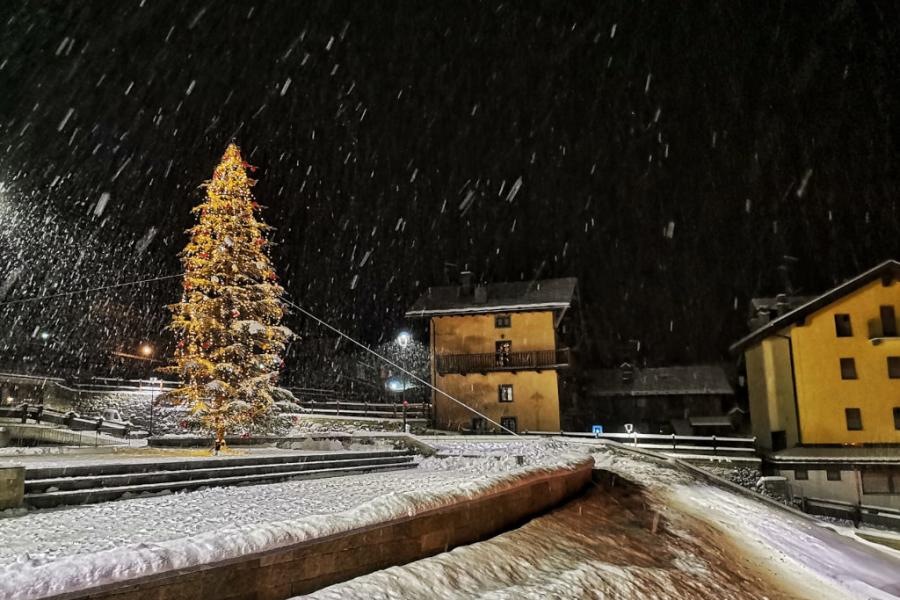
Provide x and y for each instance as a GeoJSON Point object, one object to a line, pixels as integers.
{"type": "Point", "coordinates": [518, 296]}
{"type": "Point", "coordinates": [696, 380]}
{"type": "Point", "coordinates": [886, 271]}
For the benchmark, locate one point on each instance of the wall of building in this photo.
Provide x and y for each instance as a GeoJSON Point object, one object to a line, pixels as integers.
{"type": "Point", "coordinates": [535, 402]}
{"type": "Point", "coordinates": [771, 391]}
{"type": "Point", "coordinates": [821, 393]}
{"type": "Point", "coordinates": [476, 334]}
{"type": "Point", "coordinates": [847, 489]}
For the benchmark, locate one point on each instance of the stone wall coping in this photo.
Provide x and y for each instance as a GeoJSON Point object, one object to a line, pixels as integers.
{"type": "Point", "coordinates": [582, 469]}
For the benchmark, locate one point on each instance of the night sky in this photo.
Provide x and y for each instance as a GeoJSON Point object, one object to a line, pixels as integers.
{"type": "Point", "coordinates": [667, 156]}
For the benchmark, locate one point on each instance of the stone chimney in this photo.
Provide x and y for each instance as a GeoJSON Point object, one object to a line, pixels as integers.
{"type": "Point", "coordinates": [466, 284]}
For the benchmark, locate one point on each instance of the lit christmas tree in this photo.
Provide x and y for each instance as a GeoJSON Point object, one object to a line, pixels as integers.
{"type": "Point", "coordinates": [227, 324]}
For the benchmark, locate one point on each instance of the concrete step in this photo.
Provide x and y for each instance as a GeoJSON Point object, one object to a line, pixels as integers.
{"type": "Point", "coordinates": [87, 482]}
{"type": "Point", "coordinates": [61, 498]}
{"type": "Point", "coordinates": [33, 474]}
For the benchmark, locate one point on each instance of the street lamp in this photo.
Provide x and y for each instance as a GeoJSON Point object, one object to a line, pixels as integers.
{"type": "Point", "coordinates": [403, 340]}
{"type": "Point", "coordinates": [147, 351]}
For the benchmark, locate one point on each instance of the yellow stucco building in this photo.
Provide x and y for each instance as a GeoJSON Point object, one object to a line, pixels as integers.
{"type": "Point", "coordinates": [494, 350]}
{"type": "Point", "coordinates": [828, 371]}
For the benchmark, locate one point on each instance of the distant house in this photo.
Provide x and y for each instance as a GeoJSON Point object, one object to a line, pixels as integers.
{"type": "Point", "coordinates": [494, 349]}
{"type": "Point", "coordinates": [827, 372]}
{"type": "Point", "coordinates": [684, 400]}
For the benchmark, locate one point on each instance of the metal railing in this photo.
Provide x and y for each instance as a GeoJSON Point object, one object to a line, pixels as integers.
{"type": "Point", "coordinates": [680, 444]}
{"type": "Point", "coordinates": [858, 513]}
{"type": "Point", "coordinates": [502, 361]}
{"type": "Point", "coordinates": [392, 410]}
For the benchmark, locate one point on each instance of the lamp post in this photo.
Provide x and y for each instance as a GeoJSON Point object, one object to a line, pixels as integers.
{"type": "Point", "coordinates": [403, 339]}
{"type": "Point", "coordinates": [147, 351]}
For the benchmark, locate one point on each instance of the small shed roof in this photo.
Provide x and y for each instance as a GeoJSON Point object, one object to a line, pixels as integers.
{"type": "Point", "coordinates": [693, 380]}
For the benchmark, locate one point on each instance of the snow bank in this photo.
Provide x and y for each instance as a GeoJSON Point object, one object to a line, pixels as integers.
{"type": "Point", "coordinates": [807, 545]}
{"type": "Point", "coordinates": [34, 575]}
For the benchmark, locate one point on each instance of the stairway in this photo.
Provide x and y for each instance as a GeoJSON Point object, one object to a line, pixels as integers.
{"type": "Point", "coordinates": [85, 484]}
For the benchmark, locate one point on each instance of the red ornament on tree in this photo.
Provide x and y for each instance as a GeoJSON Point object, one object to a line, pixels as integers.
{"type": "Point", "coordinates": [235, 314]}
{"type": "Point", "coordinates": [183, 424]}
{"type": "Point", "coordinates": [205, 345]}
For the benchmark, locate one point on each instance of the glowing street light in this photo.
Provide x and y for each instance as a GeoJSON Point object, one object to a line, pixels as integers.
{"type": "Point", "coordinates": [403, 338]}
{"type": "Point", "coordinates": [147, 350]}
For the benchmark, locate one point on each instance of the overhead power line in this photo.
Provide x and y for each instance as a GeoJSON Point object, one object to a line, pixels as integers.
{"type": "Point", "coordinates": [290, 303]}
{"type": "Point", "coordinates": [395, 365]}
{"type": "Point", "coordinates": [88, 290]}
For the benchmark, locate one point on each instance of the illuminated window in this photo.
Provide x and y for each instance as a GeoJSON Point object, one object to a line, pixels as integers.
{"type": "Point", "coordinates": [505, 393]}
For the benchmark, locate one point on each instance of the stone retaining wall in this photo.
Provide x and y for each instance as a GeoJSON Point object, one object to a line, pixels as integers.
{"type": "Point", "coordinates": [12, 486]}
{"type": "Point", "coordinates": [307, 566]}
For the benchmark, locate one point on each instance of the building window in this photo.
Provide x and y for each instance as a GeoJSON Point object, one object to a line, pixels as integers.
{"type": "Point", "coordinates": [833, 475]}
{"type": "Point", "coordinates": [894, 367]}
{"type": "Point", "coordinates": [848, 368]}
{"type": "Point", "coordinates": [854, 419]}
{"type": "Point", "coordinates": [897, 418]}
{"type": "Point", "coordinates": [477, 425]}
{"type": "Point", "coordinates": [888, 321]}
{"type": "Point", "coordinates": [878, 481]}
{"type": "Point", "coordinates": [801, 474]}
{"type": "Point", "coordinates": [842, 327]}
{"type": "Point", "coordinates": [502, 353]}
{"type": "Point", "coordinates": [502, 321]}
{"type": "Point", "coordinates": [508, 423]}
{"type": "Point", "coordinates": [505, 393]}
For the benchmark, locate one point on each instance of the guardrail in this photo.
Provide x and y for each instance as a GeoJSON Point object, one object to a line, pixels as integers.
{"type": "Point", "coordinates": [681, 444]}
{"type": "Point", "coordinates": [39, 414]}
{"type": "Point", "coordinates": [393, 410]}
{"type": "Point", "coordinates": [39, 435]}
{"type": "Point", "coordinates": [858, 513]}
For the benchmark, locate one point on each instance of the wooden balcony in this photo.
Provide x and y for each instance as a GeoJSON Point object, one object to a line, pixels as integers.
{"type": "Point", "coordinates": [535, 360]}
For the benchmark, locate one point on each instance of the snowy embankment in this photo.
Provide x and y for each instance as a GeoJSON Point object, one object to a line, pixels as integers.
{"type": "Point", "coordinates": [669, 534]}
{"type": "Point", "coordinates": [803, 551]}
{"type": "Point", "coordinates": [48, 552]}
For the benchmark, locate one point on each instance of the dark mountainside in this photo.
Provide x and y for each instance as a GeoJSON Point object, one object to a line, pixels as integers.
{"type": "Point", "coordinates": [668, 157]}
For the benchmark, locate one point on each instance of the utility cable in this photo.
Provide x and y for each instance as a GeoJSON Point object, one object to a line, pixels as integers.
{"type": "Point", "coordinates": [292, 304]}
{"type": "Point", "coordinates": [88, 290]}
{"type": "Point", "coordinates": [395, 365]}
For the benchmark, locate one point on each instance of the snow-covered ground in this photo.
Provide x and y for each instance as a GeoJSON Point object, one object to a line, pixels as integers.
{"type": "Point", "coordinates": [707, 542]}
{"type": "Point", "coordinates": [671, 535]}
{"type": "Point", "coordinates": [54, 550]}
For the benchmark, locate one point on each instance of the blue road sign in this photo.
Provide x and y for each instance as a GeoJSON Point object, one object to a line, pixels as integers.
{"type": "Point", "coordinates": [597, 430]}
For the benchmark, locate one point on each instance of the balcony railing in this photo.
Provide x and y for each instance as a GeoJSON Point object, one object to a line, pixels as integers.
{"type": "Point", "coordinates": [534, 360]}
